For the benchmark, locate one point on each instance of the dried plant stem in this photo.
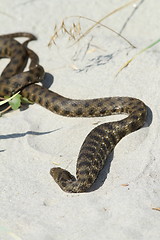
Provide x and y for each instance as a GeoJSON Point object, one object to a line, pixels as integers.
{"type": "Point", "coordinates": [157, 209]}
{"type": "Point", "coordinates": [102, 19]}
{"type": "Point", "coordinates": [102, 26]}
{"type": "Point", "coordinates": [75, 29]}
{"type": "Point", "coordinates": [5, 110]}
{"type": "Point", "coordinates": [136, 55]}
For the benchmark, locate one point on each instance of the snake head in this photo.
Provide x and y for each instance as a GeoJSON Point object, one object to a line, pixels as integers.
{"type": "Point", "coordinates": [60, 175]}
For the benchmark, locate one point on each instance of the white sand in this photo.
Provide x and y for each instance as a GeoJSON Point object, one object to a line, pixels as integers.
{"type": "Point", "coordinates": [32, 206]}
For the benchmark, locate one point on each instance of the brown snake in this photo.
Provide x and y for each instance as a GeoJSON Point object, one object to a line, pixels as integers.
{"type": "Point", "coordinates": [100, 142]}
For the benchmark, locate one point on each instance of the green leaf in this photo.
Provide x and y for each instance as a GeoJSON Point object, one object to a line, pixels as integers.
{"type": "Point", "coordinates": [25, 100]}
{"type": "Point", "coordinates": [15, 103]}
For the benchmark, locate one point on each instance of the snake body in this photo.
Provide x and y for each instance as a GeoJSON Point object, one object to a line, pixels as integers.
{"type": "Point", "coordinates": [100, 142]}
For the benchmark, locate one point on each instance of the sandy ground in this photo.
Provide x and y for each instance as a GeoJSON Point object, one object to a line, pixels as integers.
{"type": "Point", "coordinates": [32, 206]}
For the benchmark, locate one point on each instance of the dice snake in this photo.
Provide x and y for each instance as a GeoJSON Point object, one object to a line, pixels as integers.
{"type": "Point", "coordinates": [100, 142]}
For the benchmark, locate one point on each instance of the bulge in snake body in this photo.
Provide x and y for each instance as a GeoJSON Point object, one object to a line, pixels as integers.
{"type": "Point", "coordinates": [100, 141]}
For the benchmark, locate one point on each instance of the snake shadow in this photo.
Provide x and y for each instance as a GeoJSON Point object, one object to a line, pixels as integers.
{"type": "Point", "coordinates": [48, 80]}
{"type": "Point", "coordinates": [149, 118]}
{"type": "Point", "coordinates": [18, 135]}
{"type": "Point", "coordinates": [106, 169]}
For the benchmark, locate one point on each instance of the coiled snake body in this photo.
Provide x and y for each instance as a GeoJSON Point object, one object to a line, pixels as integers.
{"type": "Point", "coordinates": [100, 141]}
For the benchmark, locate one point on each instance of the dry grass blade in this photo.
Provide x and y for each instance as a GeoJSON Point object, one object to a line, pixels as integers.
{"type": "Point", "coordinates": [157, 209]}
{"type": "Point", "coordinates": [8, 99]}
{"type": "Point", "coordinates": [103, 25]}
{"type": "Point", "coordinates": [6, 14]}
{"type": "Point", "coordinates": [54, 37]}
{"type": "Point", "coordinates": [5, 110]}
{"type": "Point", "coordinates": [102, 19]}
{"type": "Point", "coordinates": [62, 29]}
{"type": "Point", "coordinates": [66, 31]}
{"type": "Point", "coordinates": [75, 30]}
{"type": "Point", "coordinates": [3, 101]}
{"type": "Point", "coordinates": [140, 52]}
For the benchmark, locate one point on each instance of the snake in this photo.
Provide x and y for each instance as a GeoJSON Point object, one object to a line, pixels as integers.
{"type": "Point", "coordinates": [100, 142]}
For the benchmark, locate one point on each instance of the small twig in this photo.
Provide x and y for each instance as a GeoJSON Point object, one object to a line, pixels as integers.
{"type": "Point", "coordinates": [157, 209]}
{"type": "Point", "coordinates": [5, 110]}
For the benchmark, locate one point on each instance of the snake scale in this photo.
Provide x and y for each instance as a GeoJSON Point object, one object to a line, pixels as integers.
{"type": "Point", "coordinates": [100, 142]}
